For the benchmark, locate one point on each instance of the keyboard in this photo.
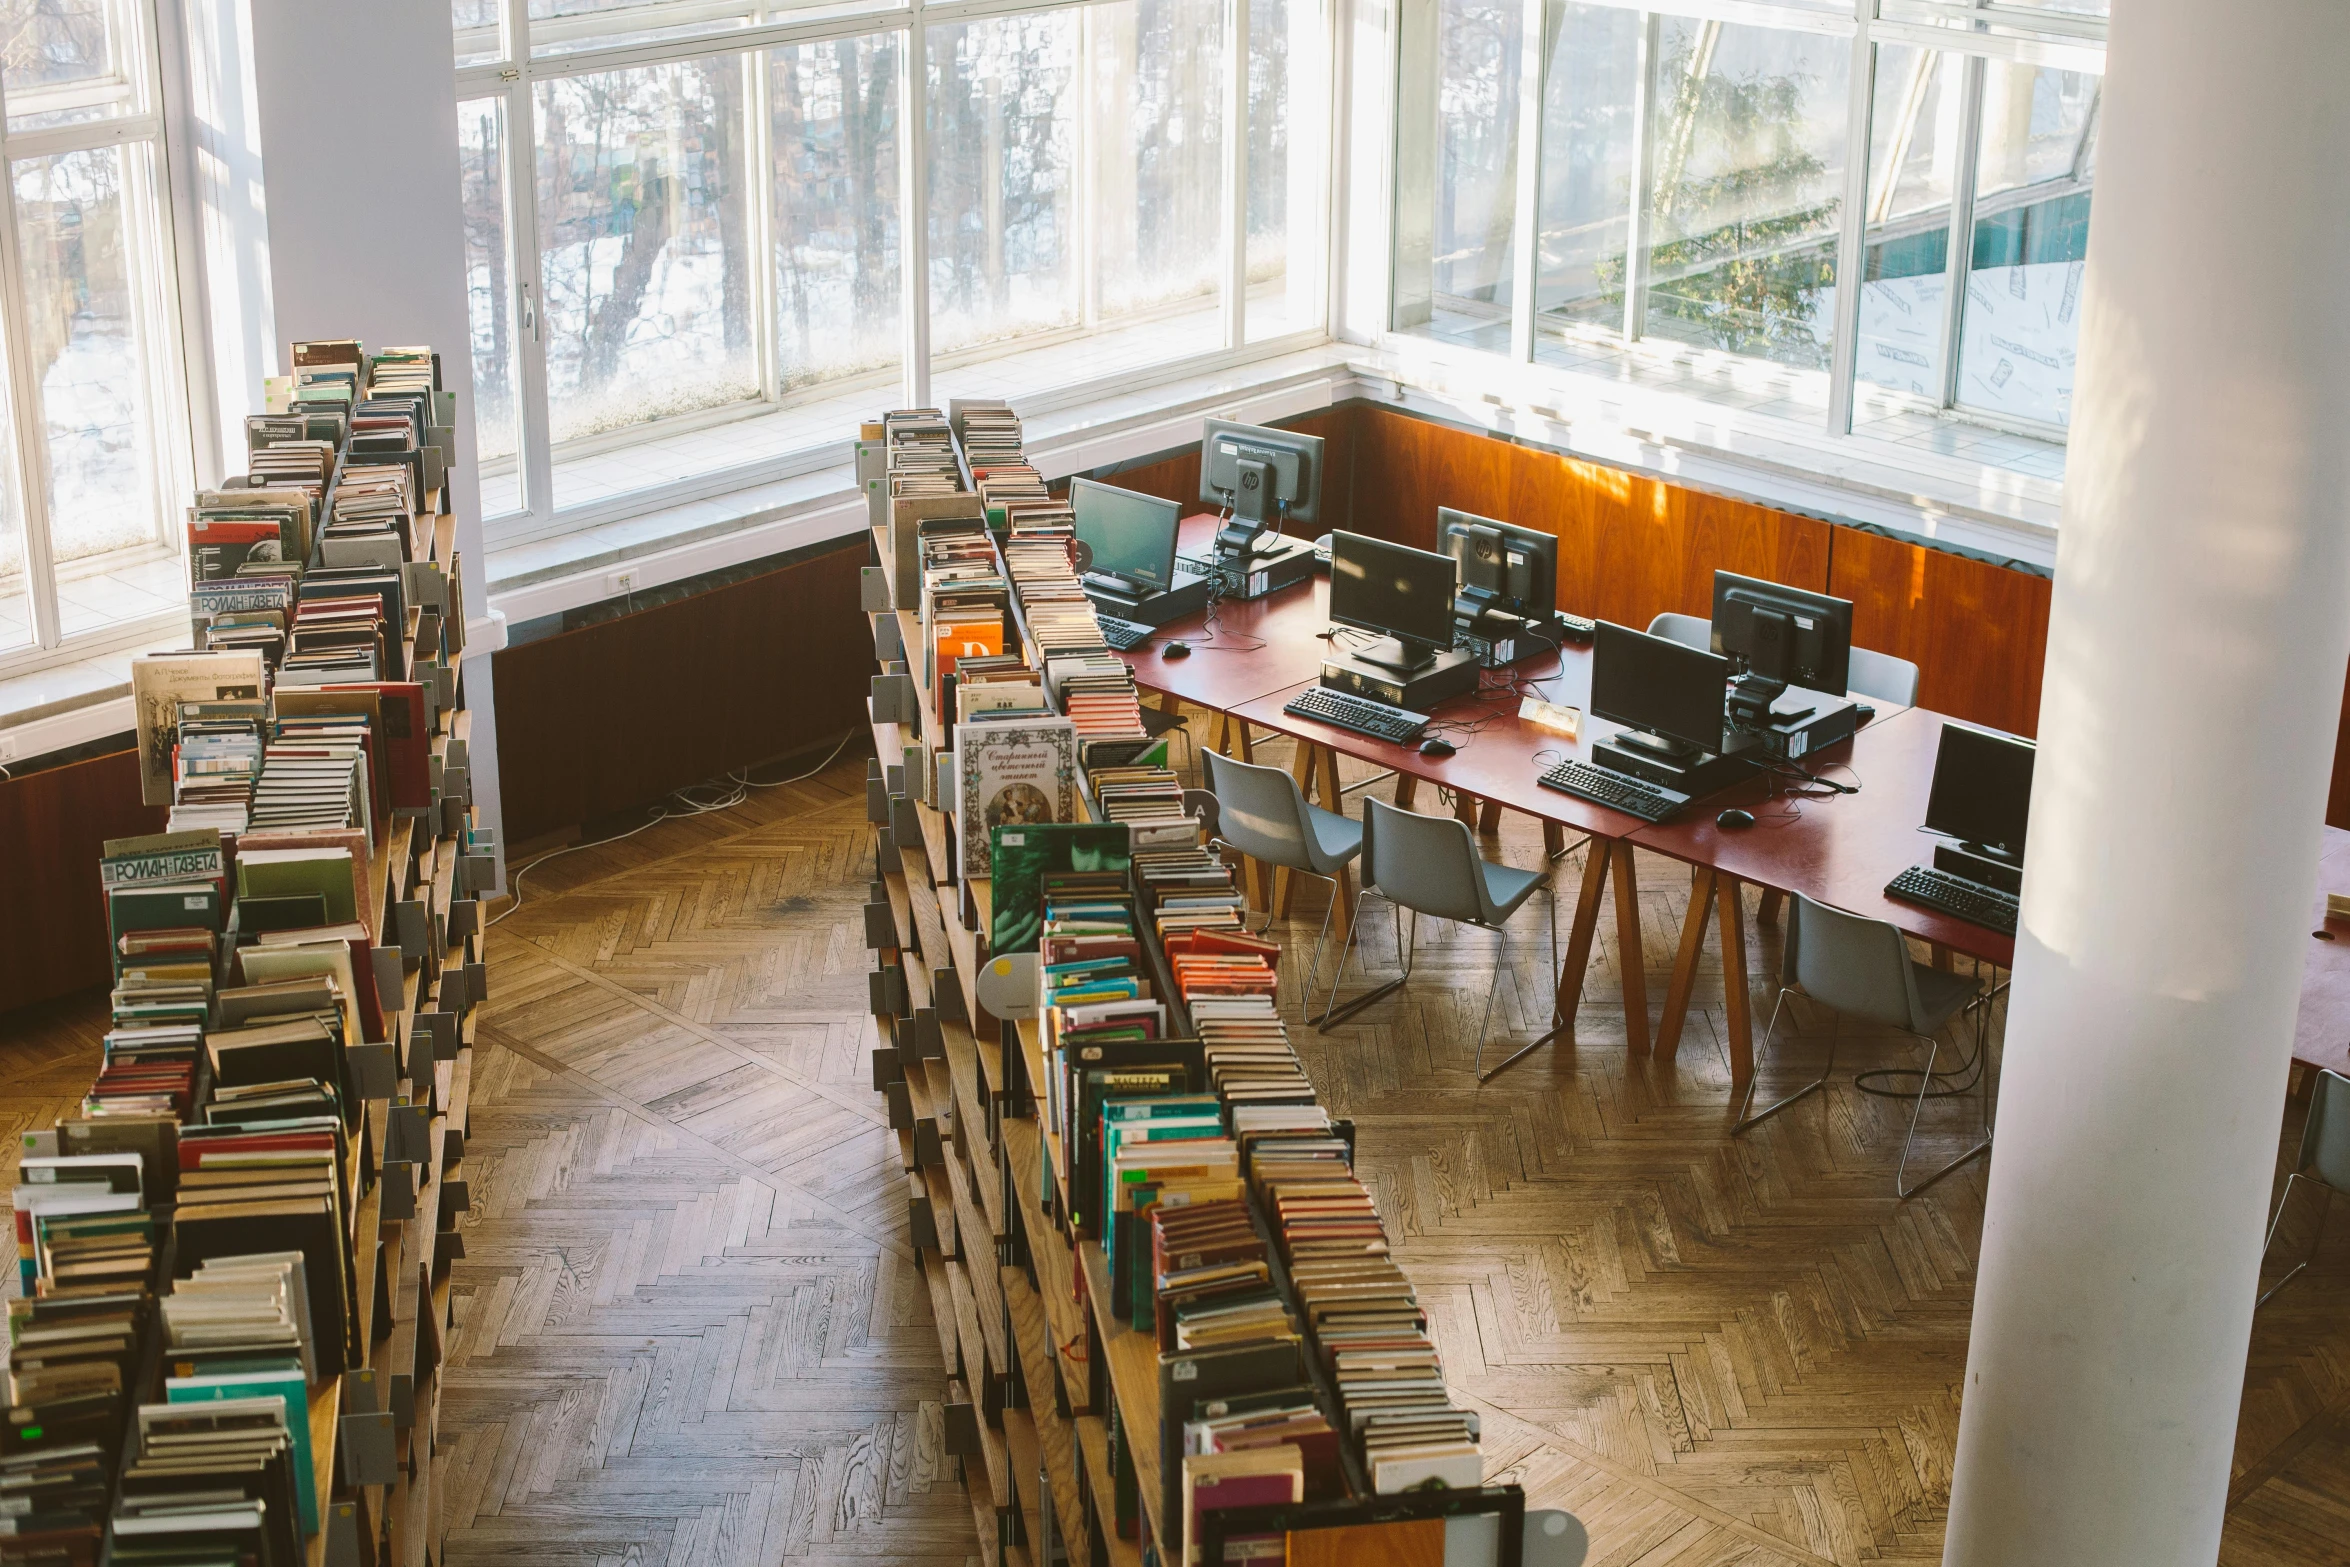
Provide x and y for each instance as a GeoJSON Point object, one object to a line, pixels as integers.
{"type": "Point", "coordinates": [1955, 896]}
{"type": "Point", "coordinates": [1124, 635]}
{"type": "Point", "coordinates": [1618, 791]}
{"type": "Point", "coordinates": [1358, 713]}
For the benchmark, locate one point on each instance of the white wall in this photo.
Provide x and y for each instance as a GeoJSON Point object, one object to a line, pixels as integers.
{"type": "Point", "coordinates": [345, 111]}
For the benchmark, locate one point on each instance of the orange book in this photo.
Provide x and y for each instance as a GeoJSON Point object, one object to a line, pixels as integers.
{"type": "Point", "coordinates": [966, 639]}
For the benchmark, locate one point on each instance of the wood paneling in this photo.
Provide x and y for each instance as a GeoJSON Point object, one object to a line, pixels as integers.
{"type": "Point", "coordinates": [1977, 632]}
{"type": "Point", "coordinates": [53, 826]}
{"type": "Point", "coordinates": [615, 715]}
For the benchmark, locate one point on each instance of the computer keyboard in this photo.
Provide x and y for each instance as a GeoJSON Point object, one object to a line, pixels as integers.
{"type": "Point", "coordinates": [1358, 713]}
{"type": "Point", "coordinates": [1124, 635]}
{"type": "Point", "coordinates": [1618, 791]}
{"type": "Point", "coordinates": [1955, 896]}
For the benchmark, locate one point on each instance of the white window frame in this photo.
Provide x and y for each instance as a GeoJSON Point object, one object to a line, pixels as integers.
{"type": "Point", "coordinates": [154, 255]}
{"type": "Point", "coordinates": [513, 73]}
{"type": "Point", "coordinates": [2021, 33]}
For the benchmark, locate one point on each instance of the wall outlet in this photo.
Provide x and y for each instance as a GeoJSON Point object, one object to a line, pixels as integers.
{"type": "Point", "coordinates": [621, 581]}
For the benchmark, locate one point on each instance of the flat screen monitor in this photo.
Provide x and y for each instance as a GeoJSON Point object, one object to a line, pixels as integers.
{"type": "Point", "coordinates": [1784, 634]}
{"type": "Point", "coordinates": [1261, 475]}
{"type": "Point", "coordinates": [1403, 594]}
{"type": "Point", "coordinates": [1517, 566]}
{"type": "Point", "coordinates": [1131, 537]}
{"type": "Point", "coordinates": [1673, 695]}
{"type": "Point", "coordinates": [1982, 792]}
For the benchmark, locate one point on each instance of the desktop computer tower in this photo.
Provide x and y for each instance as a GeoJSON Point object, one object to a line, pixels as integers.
{"type": "Point", "coordinates": [1276, 562]}
{"type": "Point", "coordinates": [1707, 772]}
{"type": "Point", "coordinates": [1454, 673]}
{"type": "Point", "coordinates": [1804, 722]}
{"type": "Point", "coordinates": [1189, 596]}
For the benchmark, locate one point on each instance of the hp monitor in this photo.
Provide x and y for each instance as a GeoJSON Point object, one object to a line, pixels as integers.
{"type": "Point", "coordinates": [1129, 538]}
{"type": "Point", "coordinates": [1505, 569]}
{"type": "Point", "coordinates": [1403, 594]}
{"type": "Point", "coordinates": [1784, 634]}
{"type": "Point", "coordinates": [1670, 694]}
{"type": "Point", "coordinates": [1982, 791]}
{"type": "Point", "coordinates": [1262, 476]}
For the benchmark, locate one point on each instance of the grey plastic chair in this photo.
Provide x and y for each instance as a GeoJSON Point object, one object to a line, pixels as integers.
{"type": "Point", "coordinates": [2324, 1161]}
{"type": "Point", "coordinates": [1882, 678]}
{"type": "Point", "coordinates": [1261, 812]}
{"type": "Point", "coordinates": [1430, 865]}
{"type": "Point", "coordinates": [1692, 630]}
{"type": "Point", "coordinates": [1861, 969]}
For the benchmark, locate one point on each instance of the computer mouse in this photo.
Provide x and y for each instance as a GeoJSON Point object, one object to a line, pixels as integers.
{"type": "Point", "coordinates": [1734, 817]}
{"type": "Point", "coordinates": [1433, 746]}
{"type": "Point", "coordinates": [1176, 650]}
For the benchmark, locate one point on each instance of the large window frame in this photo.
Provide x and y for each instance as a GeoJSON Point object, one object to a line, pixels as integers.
{"type": "Point", "coordinates": [120, 110]}
{"type": "Point", "coordinates": [2022, 35]}
{"type": "Point", "coordinates": [508, 61]}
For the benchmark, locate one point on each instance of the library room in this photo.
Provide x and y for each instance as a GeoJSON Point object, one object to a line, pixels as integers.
{"type": "Point", "coordinates": [1169, 783]}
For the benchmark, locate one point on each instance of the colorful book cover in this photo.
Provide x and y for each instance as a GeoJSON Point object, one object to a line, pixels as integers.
{"type": "Point", "coordinates": [1020, 856]}
{"type": "Point", "coordinates": [1010, 774]}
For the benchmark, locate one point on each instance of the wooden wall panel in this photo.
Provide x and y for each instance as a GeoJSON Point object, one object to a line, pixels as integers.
{"type": "Point", "coordinates": [614, 716]}
{"type": "Point", "coordinates": [53, 826]}
{"type": "Point", "coordinates": [1977, 632]}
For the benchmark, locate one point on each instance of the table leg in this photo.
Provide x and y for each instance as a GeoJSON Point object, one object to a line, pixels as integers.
{"type": "Point", "coordinates": [1464, 810]}
{"type": "Point", "coordinates": [1628, 949]}
{"type": "Point", "coordinates": [1701, 909]}
{"type": "Point", "coordinates": [1554, 840]}
{"type": "Point", "coordinates": [1943, 962]}
{"type": "Point", "coordinates": [1578, 959]}
{"type": "Point", "coordinates": [1407, 789]}
{"type": "Point", "coordinates": [1737, 1010]}
{"type": "Point", "coordinates": [1769, 912]}
{"type": "Point", "coordinates": [1489, 819]}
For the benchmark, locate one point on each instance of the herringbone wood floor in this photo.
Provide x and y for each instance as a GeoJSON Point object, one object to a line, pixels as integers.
{"type": "Point", "coordinates": [688, 1332]}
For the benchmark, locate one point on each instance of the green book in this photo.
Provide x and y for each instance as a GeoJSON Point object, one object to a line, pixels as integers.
{"type": "Point", "coordinates": [1020, 857]}
{"type": "Point", "coordinates": [294, 873]}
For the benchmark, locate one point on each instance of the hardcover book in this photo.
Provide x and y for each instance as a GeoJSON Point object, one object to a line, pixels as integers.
{"type": "Point", "coordinates": [1011, 774]}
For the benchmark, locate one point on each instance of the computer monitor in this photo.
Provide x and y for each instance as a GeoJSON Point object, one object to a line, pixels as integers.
{"type": "Point", "coordinates": [1261, 475]}
{"type": "Point", "coordinates": [1671, 695]}
{"type": "Point", "coordinates": [1130, 538]}
{"type": "Point", "coordinates": [1402, 593]}
{"type": "Point", "coordinates": [1982, 791]}
{"type": "Point", "coordinates": [1504, 568]}
{"type": "Point", "coordinates": [1784, 634]}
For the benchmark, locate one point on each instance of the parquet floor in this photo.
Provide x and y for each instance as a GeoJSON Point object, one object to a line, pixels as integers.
{"type": "Point", "coordinates": [688, 1333]}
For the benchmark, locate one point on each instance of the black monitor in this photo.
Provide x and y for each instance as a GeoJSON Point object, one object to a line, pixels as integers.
{"type": "Point", "coordinates": [1260, 475]}
{"type": "Point", "coordinates": [1504, 568]}
{"type": "Point", "coordinates": [1671, 694]}
{"type": "Point", "coordinates": [1982, 791]}
{"type": "Point", "coordinates": [1784, 634]}
{"type": "Point", "coordinates": [1129, 538]}
{"type": "Point", "coordinates": [1402, 593]}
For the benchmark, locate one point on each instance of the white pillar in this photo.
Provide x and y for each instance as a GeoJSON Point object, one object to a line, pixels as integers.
{"type": "Point", "coordinates": [2195, 660]}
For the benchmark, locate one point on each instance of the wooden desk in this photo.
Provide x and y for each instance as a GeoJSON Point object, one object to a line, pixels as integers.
{"type": "Point", "coordinates": [2321, 1037]}
{"type": "Point", "coordinates": [1256, 646]}
{"type": "Point", "coordinates": [1839, 851]}
{"type": "Point", "coordinates": [1499, 764]}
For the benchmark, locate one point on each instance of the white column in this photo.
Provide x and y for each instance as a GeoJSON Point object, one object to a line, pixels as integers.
{"type": "Point", "coordinates": [2195, 660]}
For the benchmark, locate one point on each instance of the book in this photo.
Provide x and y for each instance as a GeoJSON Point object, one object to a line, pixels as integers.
{"type": "Point", "coordinates": [160, 682]}
{"type": "Point", "coordinates": [1011, 774]}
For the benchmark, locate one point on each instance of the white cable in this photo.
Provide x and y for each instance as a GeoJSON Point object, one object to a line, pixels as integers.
{"type": "Point", "coordinates": [692, 807]}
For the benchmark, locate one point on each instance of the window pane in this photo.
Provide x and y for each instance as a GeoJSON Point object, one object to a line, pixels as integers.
{"type": "Point", "coordinates": [16, 605]}
{"type": "Point", "coordinates": [1456, 158]}
{"type": "Point", "coordinates": [1749, 171]}
{"type": "Point", "coordinates": [489, 295]}
{"type": "Point", "coordinates": [479, 26]}
{"type": "Point", "coordinates": [65, 62]}
{"type": "Point", "coordinates": [1589, 104]}
{"type": "Point", "coordinates": [1913, 158]}
{"type": "Point", "coordinates": [644, 236]}
{"type": "Point", "coordinates": [835, 136]}
{"type": "Point", "coordinates": [1156, 132]}
{"type": "Point", "coordinates": [1285, 163]}
{"type": "Point", "coordinates": [90, 302]}
{"type": "Point", "coordinates": [564, 26]}
{"type": "Point", "coordinates": [2032, 180]}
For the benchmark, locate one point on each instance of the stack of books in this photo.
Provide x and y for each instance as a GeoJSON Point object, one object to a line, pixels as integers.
{"type": "Point", "coordinates": [1149, 800]}
{"type": "Point", "coordinates": [989, 431]}
{"type": "Point", "coordinates": [216, 764]}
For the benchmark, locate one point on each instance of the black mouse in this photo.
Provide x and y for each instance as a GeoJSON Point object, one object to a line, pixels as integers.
{"type": "Point", "coordinates": [1433, 746]}
{"type": "Point", "coordinates": [1176, 650]}
{"type": "Point", "coordinates": [1734, 817]}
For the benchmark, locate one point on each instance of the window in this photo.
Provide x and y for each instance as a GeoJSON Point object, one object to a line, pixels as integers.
{"type": "Point", "coordinates": [93, 450]}
{"type": "Point", "coordinates": [1693, 194]}
{"type": "Point", "coordinates": [704, 237]}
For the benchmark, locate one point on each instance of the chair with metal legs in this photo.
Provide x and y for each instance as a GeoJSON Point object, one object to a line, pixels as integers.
{"type": "Point", "coordinates": [1430, 865]}
{"type": "Point", "coordinates": [2324, 1161]}
{"type": "Point", "coordinates": [1861, 969]}
{"type": "Point", "coordinates": [1261, 812]}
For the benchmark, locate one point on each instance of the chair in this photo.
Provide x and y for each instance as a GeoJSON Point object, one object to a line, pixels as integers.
{"type": "Point", "coordinates": [1691, 630]}
{"type": "Point", "coordinates": [2324, 1161]}
{"type": "Point", "coordinates": [1430, 865]}
{"type": "Point", "coordinates": [1261, 812]}
{"type": "Point", "coordinates": [1861, 969]}
{"type": "Point", "coordinates": [1882, 678]}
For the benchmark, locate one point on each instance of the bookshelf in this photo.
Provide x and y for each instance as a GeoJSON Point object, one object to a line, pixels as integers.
{"type": "Point", "coordinates": [1037, 1362]}
{"type": "Point", "coordinates": [372, 1425]}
